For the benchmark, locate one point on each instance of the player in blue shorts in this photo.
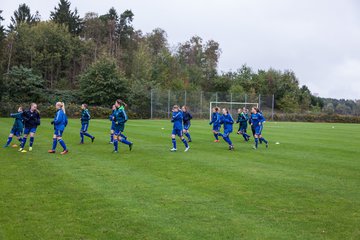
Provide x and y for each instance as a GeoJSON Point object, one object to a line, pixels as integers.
{"type": "Point", "coordinates": [120, 118]}
{"type": "Point", "coordinates": [227, 120]}
{"type": "Point", "coordinates": [85, 118]}
{"type": "Point", "coordinates": [177, 120]}
{"type": "Point", "coordinates": [17, 128]}
{"type": "Point", "coordinates": [186, 121]}
{"type": "Point", "coordinates": [243, 119]}
{"type": "Point", "coordinates": [215, 121]}
{"type": "Point", "coordinates": [31, 120]}
{"type": "Point", "coordinates": [59, 122]}
{"type": "Point", "coordinates": [257, 121]}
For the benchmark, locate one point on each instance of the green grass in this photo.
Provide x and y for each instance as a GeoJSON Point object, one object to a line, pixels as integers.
{"type": "Point", "coordinates": [307, 187]}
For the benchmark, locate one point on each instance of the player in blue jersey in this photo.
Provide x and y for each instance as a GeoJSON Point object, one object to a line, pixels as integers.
{"type": "Point", "coordinates": [31, 119]}
{"type": "Point", "coordinates": [177, 120]}
{"type": "Point", "coordinates": [186, 121]}
{"type": "Point", "coordinates": [215, 121]}
{"type": "Point", "coordinates": [112, 128]}
{"type": "Point", "coordinates": [17, 128]}
{"type": "Point", "coordinates": [227, 121]}
{"type": "Point", "coordinates": [243, 119]}
{"type": "Point", "coordinates": [59, 122]}
{"type": "Point", "coordinates": [85, 118]}
{"type": "Point", "coordinates": [257, 121]}
{"type": "Point", "coordinates": [120, 118]}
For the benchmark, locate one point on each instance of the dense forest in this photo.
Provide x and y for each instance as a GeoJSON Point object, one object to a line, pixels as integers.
{"type": "Point", "coordinates": [98, 57]}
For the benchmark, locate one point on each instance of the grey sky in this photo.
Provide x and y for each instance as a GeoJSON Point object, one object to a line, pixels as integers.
{"type": "Point", "coordinates": [319, 40]}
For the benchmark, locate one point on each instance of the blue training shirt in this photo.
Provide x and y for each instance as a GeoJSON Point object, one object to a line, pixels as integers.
{"type": "Point", "coordinates": [60, 120]}
{"type": "Point", "coordinates": [228, 122]}
{"type": "Point", "coordinates": [257, 119]}
{"type": "Point", "coordinates": [215, 118]}
{"type": "Point", "coordinates": [177, 118]}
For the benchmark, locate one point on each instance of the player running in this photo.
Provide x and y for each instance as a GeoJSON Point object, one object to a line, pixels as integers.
{"type": "Point", "coordinates": [215, 121]}
{"type": "Point", "coordinates": [227, 120]}
{"type": "Point", "coordinates": [257, 121]}
{"type": "Point", "coordinates": [85, 118]}
{"type": "Point", "coordinates": [242, 120]}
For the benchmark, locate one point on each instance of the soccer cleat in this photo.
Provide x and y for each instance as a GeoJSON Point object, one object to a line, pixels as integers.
{"type": "Point", "coordinates": [30, 149]}
{"type": "Point", "coordinates": [23, 151]}
{"type": "Point", "coordinates": [20, 149]}
{"type": "Point", "coordinates": [115, 151]}
{"type": "Point", "coordinates": [187, 149]}
{"type": "Point", "coordinates": [231, 148]}
{"type": "Point", "coordinates": [51, 151]}
{"type": "Point", "coordinates": [131, 146]}
{"type": "Point", "coordinates": [254, 147]}
{"type": "Point", "coordinates": [173, 150]}
{"type": "Point", "coordinates": [189, 140]}
{"type": "Point", "coordinates": [92, 139]}
{"type": "Point", "coordinates": [267, 145]}
{"type": "Point", "coordinates": [81, 143]}
{"type": "Point", "coordinates": [64, 152]}
{"type": "Point", "coordinates": [111, 142]}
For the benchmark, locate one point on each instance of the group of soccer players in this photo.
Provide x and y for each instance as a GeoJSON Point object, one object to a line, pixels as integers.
{"type": "Point", "coordinates": [256, 120]}
{"type": "Point", "coordinates": [26, 123]}
{"type": "Point", "coordinates": [181, 124]}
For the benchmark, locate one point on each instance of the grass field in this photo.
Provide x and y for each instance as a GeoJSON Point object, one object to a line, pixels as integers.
{"type": "Point", "coordinates": [307, 187]}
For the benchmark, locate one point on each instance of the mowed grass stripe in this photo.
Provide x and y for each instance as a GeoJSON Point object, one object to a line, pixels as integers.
{"type": "Point", "coordinates": [208, 192]}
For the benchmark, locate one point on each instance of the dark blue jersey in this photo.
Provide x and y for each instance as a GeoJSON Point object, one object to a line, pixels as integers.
{"type": "Point", "coordinates": [177, 119]}
{"type": "Point", "coordinates": [85, 116]}
{"type": "Point", "coordinates": [31, 119]}
{"type": "Point", "coordinates": [215, 118]}
{"type": "Point", "coordinates": [257, 119]}
{"type": "Point", "coordinates": [227, 121]}
{"type": "Point", "coordinates": [120, 116]}
{"type": "Point", "coordinates": [186, 118]}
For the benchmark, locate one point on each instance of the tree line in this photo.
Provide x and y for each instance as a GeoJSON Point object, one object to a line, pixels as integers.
{"type": "Point", "coordinates": [97, 58]}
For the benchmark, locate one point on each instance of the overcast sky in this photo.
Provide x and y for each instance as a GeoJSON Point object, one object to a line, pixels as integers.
{"type": "Point", "coordinates": [318, 39]}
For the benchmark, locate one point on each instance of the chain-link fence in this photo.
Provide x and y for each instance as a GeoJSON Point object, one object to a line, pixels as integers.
{"type": "Point", "coordinates": [157, 104]}
{"type": "Point", "coordinates": [200, 102]}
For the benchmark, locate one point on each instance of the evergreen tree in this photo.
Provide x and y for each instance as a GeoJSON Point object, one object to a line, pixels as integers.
{"type": "Point", "coordinates": [23, 15]}
{"type": "Point", "coordinates": [62, 14]}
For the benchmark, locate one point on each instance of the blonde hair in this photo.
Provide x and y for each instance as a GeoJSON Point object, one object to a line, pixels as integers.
{"type": "Point", "coordinates": [62, 106]}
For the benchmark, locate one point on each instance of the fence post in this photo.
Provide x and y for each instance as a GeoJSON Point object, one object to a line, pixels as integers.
{"type": "Point", "coordinates": [259, 101]}
{"type": "Point", "coordinates": [272, 107]}
{"type": "Point", "coordinates": [216, 99]}
{"type": "Point", "coordinates": [245, 100]}
{"type": "Point", "coordinates": [201, 93]}
{"type": "Point", "coordinates": [185, 98]}
{"type": "Point", "coordinates": [168, 105]}
{"type": "Point", "coordinates": [151, 103]}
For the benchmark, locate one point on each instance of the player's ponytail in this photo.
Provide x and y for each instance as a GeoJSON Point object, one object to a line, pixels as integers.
{"type": "Point", "coordinates": [121, 102]}
{"type": "Point", "coordinates": [63, 107]}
